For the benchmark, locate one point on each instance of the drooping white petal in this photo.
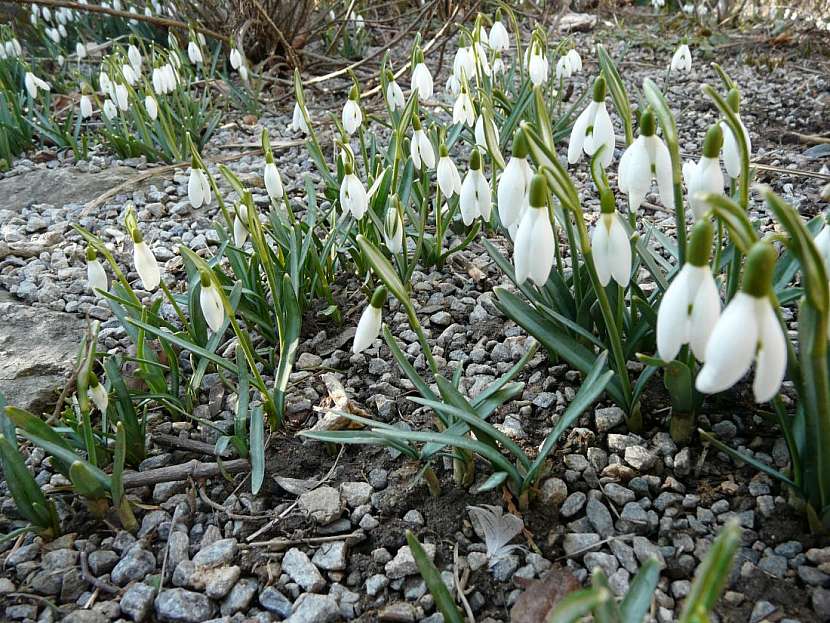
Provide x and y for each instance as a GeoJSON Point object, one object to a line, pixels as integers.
{"type": "Point", "coordinates": [212, 308]}
{"type": "Point", "coordinates": [273, 181]}
{"type": "Point", "coordinates": [298, 122]}
{"type": "Point", "coordinates": [96, 277]}
{"type": "Point", "coordinates": [512, 189]}
{"type": "Point", "coordinates": [576, 60]}
{"type": "Point", "coordinates": [731, 151]}
{"type": "Point", "coordinates": [771, 359]}
{"type": "Point", "coordinates": [485, 203]}
{"type": "Point", "coordinates": [240, 232]}
{"type": "Point", "coordinates": [422, 82]}
{"type": "Point", "coordinates": [394, 96]}
{"type": "Point", "coordinates": [619, 251]}
{"type": "Point", "coordinates": [577, 140]}
{"type": "Point", "coordinates": [602, 135]}
{"type": "Point", "coordinates": [673, 321]}
{"type": "Point", "coordinates": [86, 107]}
{"type": "Point", "coordinates": [353, 196]}
{"type": "Point", "coordinates": [822, 242]}
{"type": "Point", "coordinates": [352, 116]}
{"type": "Point", "coordinates": [468, 200]}
{"type": "Point", "coordinates": [195, 190]}
{"type": "Point", "coordinates": [449, 180]}
{"type": "Point", "coordinates": [368, 328]}
{"type": "Point", "coordinates": [663, 172]}
{"type": "Point", "coordinates": [146, 266]}
{"type": "Point", "coordinates": [110, 110]}
{"type": "Point", "coordinates": [731, 346]}
{"type": "Point", "coordinates": [534, 248]}
{"type": "Point", "coordinates": [499, 38]}
{"type": "Point", "coordinates": [599, 248]}
{"type": "Point", "coordinates": [705, 314]}
{"type": "Point", "coordinates": [634, 174]}
{"type": "Point", "coordinates": [706, 177]}
{"type": "Point", "coordinates": [98, 395]}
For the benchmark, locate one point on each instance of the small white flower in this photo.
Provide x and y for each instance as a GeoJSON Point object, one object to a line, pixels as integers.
{"type": "Point", "coordinates": [533, 250]}
{"type": "Point", "coordinates": [421, 149]}
{"type": "Point", "coordinates": [146, 266]}
{"type": "Point", "coordinates": [449, 180]}
{"type": "Point", "coordinates": [368, 328]}
{"type": "Point", "coordinates": [453, 86]}
{"type": "Point", "coordinates": [152, 107]}
{"type": "Point", "coordinates": [273, 181]}
{"type": "Point", "coordinates": [537, 65]}
{"type": "Point", "coordinates": [481, 139]}
{"type": "Point", "coordinates": [682, 59]}
{"type": "Point", "coordinates": [121, 97]}
{"type": "Point", "coordinates": [394, 96]}
{"type": "Point", "coordinates": [110, 110]}
{"type": "Point", "coordinates": [474, 197]}
{"type": "Point", "coordinates": [240, 231]}
{"type": "Point", "coordinates": [194, 53]}
{"type": "Point", "coordinates": [33, 84]}
{"type": "Point", "coordinates": [96, 276]}
{"type": "Point", "coordinates": [393, 231]}
{"type": "Point", "coordinates": [688, 312]}
{"type": "Point", "coordinates": [576, 61]}
{"type": "Point", "coordinates": [86, 107]}
{"type": "Point", "coordinates": [512, 191]}
{"type": "Point", "coordinates": [352, 116]}
{"type": "Point", "coordinates": [705, 176]}
{"type": "Point", "coordinates": [80, 50]}
{"type": "Point", "coordinates": [243, 73]}
{"type": "Point", "coordinates": [236, 58]}
{"type": "Point", "coordinates": [499, 38]}
{"type": "Point", "coordinates": [353, 197]}
{"type": "Point", "coordinates": [97, 393]}
{"type": "Point", "coordinates": [129, 75]}
{"type": "Point", "coordinates": [463, 110]}
{"type": "Point", "coordinates": [593, 129]}
{"type": "Point", "coordinates": [211, 304]}
{"type": "Point", "coordinates": [198, 188]}
{"type": "Point", "coordinates": [134, 56]}
{"type": "Point", "coordinates": [464, 63]}
{"type": "Point", "coordinates": [422, 81]}
{"type": "Point", "coordinates": [498, 66]}
{"type": "Point", "coordinates": [563, 68]}
{"type": "Point", "coordinates": [611, 249]}
{"type": "Point", "coordinates": [645, 159]}
{"type": "Point", "coordinates": [731, 151]}
{"type": "Point", "coordinates": [298, 122]}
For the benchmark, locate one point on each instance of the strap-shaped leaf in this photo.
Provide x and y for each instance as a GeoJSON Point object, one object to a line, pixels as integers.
{"type": "Point", "coordinates": [384, 270]}
{"type": "Point", "coordinates": [577, 605]}
{"type": "Point", "coordinates": [751, 460]}
{"type": "Point", "coordinates": [25, 491]}
{"type": "Point", "coordinates": [637, 601]}
{"type": "Point", "coordinates": [443, 600]}
{"type": "Point", "coordinates": [257, 428]}
{"type": "Point", "coordinates": [31, 424]}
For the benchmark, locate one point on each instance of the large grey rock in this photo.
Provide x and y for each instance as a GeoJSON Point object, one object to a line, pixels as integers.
{"type": "Point", "coordinates": [136, 564]}
{"type": "Point", "coordinates": [137, 601]}
{"type": "Point", "coordinates": [331, 556]}
{"type": "Point", "coordinates": [311, 608]}
{"type": "Point", "coordinates": [240, 597]}
{"type": "Point", "coordinates": [221, 552]}
{"type": "Point", "coordinates": [38, 348]}
{"type": "Point", "coordinates": [323, 504]}
{"type": "Point", "coordinates": [178, 605]}
{"type": "Point", "coordinates": [297, 565]}
{"type": "Point", "coordinates": [274, 601]}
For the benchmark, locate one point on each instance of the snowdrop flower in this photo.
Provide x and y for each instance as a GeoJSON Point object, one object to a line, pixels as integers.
{"type": "Point", "coordinates": [210, 302]}
{"type": "Point", "coordinates": [462, 110]}
{"type": "Point", "coordinates": [352, 116]}
{"type": "Point", "coordinates": [475, 192]}
{"type": "Point", "coordinates": [449, 180]}
{"type": "Point", "coordinates": [273, 181]}
{"type": "Point", "coordinates": [54, 35]}
{"type": "Point", "coordinates": [240, 227]}
{"type": "Point", "coordinates": [453, 86]}
{"type": "Point", "coordinates": [368, 327]}
{"type": "Point", "coordinates": [610, 245]}
{"type": "Point", "coordinates": [419, 147]}
{"type": "Point", "coordinates": [537, 64]}
{"type": "Point", "coordinates": [499, 39]}
{"type": "Point", "coordinates": [80, 50]}
{"type": "Point", "coordinates": [235, 58]}
{"type": "Point", "coordinates": [34, 84]}
{"type": "Point", "coordinates": [97, 393]}
{"type": "Point", "coordinates": [198, 186]}
{"type": "Point", "coordinates": [822, 241]}
{"type": "Point", "coordinates": [682, 59]}
{"type": "Point", "coordinates": [394, 94]}
{"type": "Point", "coordinates": [158, 81]}
{"type": "Point", "coordinates": [421, 78]}
{"type": "Point", "coordinates": [298, 122]}
{"type": "Point", "coordinates": [645, 159]}
{"type": "Point", "coordinates": [134, 56]}
{"type": "Point", "coordinates": [393, 228]}
{"type": "Point", "coordinates": [563, 68]}
{"type": "Point", "coordinates": [748, 330]}
{"type": "Point", "coordinates": [129, 75]}
{"type": "Point", "coordinates": [481, 138]}
{"type": "Point", "coordinates": [243, 73]}
{"type": "Point", "coordinates": [194, 53]}
{"type": "Point", "coordinates": [96, 276]}
{"type": "Point", "coordinates": [121, 97]}
{"type": "Point", "coordinates": [593, 129]}
{"type": "Point", "coordinates": [145, 262]}
{"type": "Point", "coordinates": [353, 197]}
{"type": "Point", "coordinates": [152, 107]}
{"type": "Point", "coordinates": [691, 305]}
{"type": "Point", "coordinates": [514, 183]}
{"type": "Point", "coordinates": [731, 151]}
{"type": "Point", "coordinates": [106, 84]}
{"type": "Point", "coordinates": [464, 63]}
{"type": "Point", "coordinates": [705, 177]}
{"type": "Point", "coordinates": [576, 61]}
{"type": "Point", "coordinates": [110, 111]}
{"type": "Point", "coordinates": [498, 65]}
{"type": "Point", "coordinates": [86, 107]}
{"type": "Point", "coordinates": [658, 4]}
{"type": "Point", "coordinates": [171, 78]}
{"type": "Point", "coordinates": [534, 248]}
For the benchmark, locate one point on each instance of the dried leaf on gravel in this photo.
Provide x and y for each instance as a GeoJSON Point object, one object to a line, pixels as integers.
{"type": "Point", "coordinates": [534, 605]}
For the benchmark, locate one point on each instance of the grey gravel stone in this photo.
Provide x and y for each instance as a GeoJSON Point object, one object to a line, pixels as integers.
{"type": "Point", "coordinates": [274, 601]}
{"type": "Point", "coordinates": [639, 458]}
{"type": "Point", "coordinates": [376, 583]}
{"type": "Point", "coordinates": [607, 418]}
{"type": "Point", "coordinates": [179, 605]}
{"type": "Point", "coordinates": [573, 504]}
{"type": "Point", "coordinates": [576, 544]}
{"type": "Point", "coordinates": [554, 491]}
{"type": "Point", "coordinates": [102, 561]}
{"type": "Point", "coordinates": [311, 608]}
{"type": "Point", "coordinates": [403, 564]}
{"type": "Point", "coordinates": [297, 564]}
{"type": "Point", "coordinates": [323, 504]}
{"type": "Point", "coordinates": [331, 556]}
{"type": "Point", "coordinates": [600, 518]}
{"type": "Point", "coordinates": [221, 552]}
{"type": "Point", "coordinates": [136, 564]}
{"type": "Point", "coordinates": [505, 567]}
{"type": "Point", "coordinates": [137, 601]}
{"type": "Point", "coordinates": [821, 603]}
{"type": "Point", "coordinates": [240, 597]}
{"type": "Point", "coordinates": [618, 494]}
{"type": "Point", "coordinates": [356, 493]}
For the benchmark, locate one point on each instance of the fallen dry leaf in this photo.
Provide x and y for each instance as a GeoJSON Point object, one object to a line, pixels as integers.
{"type": "Point", "coordinates": [540, 596]}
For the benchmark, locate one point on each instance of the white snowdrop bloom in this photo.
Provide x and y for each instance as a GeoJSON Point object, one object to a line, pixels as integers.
{"type": "Point", "coordinates": [353, 196]}
{"type": "Point", "coordinates": [86, 107]}
{"type": "Point", "coordinates": [563, 68]}
{"type": "Point", "coordinates": [129, 75]}
{"type": "Point", "coordinates": [53, 34]}
{"type": "Point", "coordinates": [453, 86]}
{"type": "Point", "coordinates": [422, 80]}
{"type": "Point", "coordinates": [174, 59]}
{"type": "Point", "coordinates": [201, 39]}
{"type": "Point", "coordinates": [235, 58]}
{"type": "Point", "coordinates": [121, 97]}
{"type": "Point", "coordinates": [352, 116]}
{"type": "Point", "coordinates": [533, 250]}
{"type": "Point", "coordinates": [151, 106]}
{"type": "Point", "coordinates": [394, 96]}
{"type": "Point", "coordinates": [747, 331]}
{"type": "Point", "coordinates": [96, 276]}
{"type": "Point", "coordinates": [682, 59]}
{"type": "Point", "coordinates": [449, 180]}
{"type": "Point", "coordinates": [481, 139]}
{"type": "Point", "coordinates": [273, 181]}
{"type": "Point", "coordinates": [499, 38]}
{"type": "Point", "coordinates": [171, 78]}
{"type": "Point", "coordinates": [645, 159]}
{"type": "Point", "coordinates": [822, 241]}
{"type": "Point", "coordinates": [514, 183]}
{"type": "Point", "coordinates": [62, 31]}
{"type": "Point", "coordinates": [134, 56]}
{"type": "Point", "coordinates": [110, 110]}
{"type": "Point", "coordinates": [420, 148]}
{"type": "Point", "coordinates": [198, 187]}
{"type": "Point", "coordinates": [474, 197]}
{"type": "Point", "coordinates": [479, 55]}
{"type": "Point", "coordinates": [705, 176]}
{"type": "Point", "coordinates": [240, 230]}
{"type": "Point", "coordinates": [194, 53]}
{"type": "Point", "coordinates": [80, 50]}
{"type": "Point", "coordinates": [610, 245]}
{"type": "Point", "coordinates": [731, 151]}
{"type": "Point", "coordinates": [690, 308]}
{"type": "Point", "coordinates": [145, 264]}
{"type": "Point", "coordinates": [371, 320]}
{"type": "Point", "coordinates": [464, 63]}
{"type": "Point", "coordinates": [97, 393]}
{"type": "Point", "coordinates": [298, 122]}
{"type": "Point", "coordinates": [593, 129]}
{"type": "Point", "coordinates": [106, 84]}
{"type": "Point", "coordinates": [537, 65]}
{"type": "Point", "coordinates": [35, 84]}
{"type": "Point", "coordinates": [658, 4]}
{"type": "Point", "coordinates": [243, 73]}
{"type": "Point", "coordinates": [463, 110]}
{"type": "Point", "coordinates": [158, 81]}
{"type": "Point", "coordinates": [210, 302]}
{"type": "Point", "coordinates": [498, 66]}
{"type": "Point", "coordinates": [393, 230]}
{"type": "Point", "coordinates": [576, 61]}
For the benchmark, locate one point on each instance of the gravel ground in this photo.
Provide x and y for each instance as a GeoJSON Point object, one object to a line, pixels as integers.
{"type": "Point", "coordinates": [335, 548]}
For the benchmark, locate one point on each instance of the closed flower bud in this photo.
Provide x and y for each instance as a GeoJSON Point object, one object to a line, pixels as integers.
{"type": "Point", "coordinates": [198, 187]}
{"type": "Point", "coordinates": [86, 107]}
{"type": "Point", "coordinates": [499, 38]}
{"type": "Point", "coordinates": [368, 327]}
{"type": "Point", "coordinates": [475, 192]}
{"type": "Point", "coordinates": [514, 183]}
{"type": "Point", "coordinates": [393, 229]}
{"type": "Point", "coordinates": [352, 116]}
{"type": "Point", "coordinates": [152, 107]}
{"type": "Point", "coordinates": [95, 273]}
{"type": "Point", "coordinates": [422, 81]}
{"type": "Point", "coordinates": [449, 180]}
{"type": "Point", "coordinates": [533, 250]}
{"type": "Point", "coordinates": [273, 181]}
{"type": "Point", "coordinates": [210, 303]}
{"type": "Point", "coordinates": [146, 265]}
{"type": "Point", "coordinates": [610, 246]}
